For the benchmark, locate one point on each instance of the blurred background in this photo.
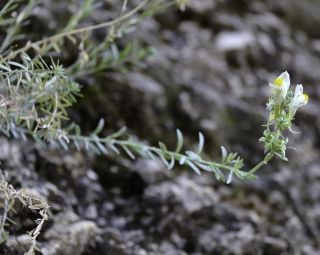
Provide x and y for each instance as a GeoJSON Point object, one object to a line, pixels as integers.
{"type": "Point", "coordinates": [207, 70]}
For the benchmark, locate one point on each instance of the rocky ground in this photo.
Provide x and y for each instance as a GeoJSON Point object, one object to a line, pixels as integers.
{"type": "Point", "coordinates": [209, 73]}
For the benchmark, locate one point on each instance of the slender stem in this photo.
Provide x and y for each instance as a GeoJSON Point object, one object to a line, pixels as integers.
{"type": "Point", "coordinates": [167, 154]}
{"type": "Point", "coordinates": [37, 44]}
{"type": "Point", "coordinates": [265, 161]}
{"type": "Point", "coordinates": [4, 218]}
{"type": "Point", "coordinates": [15, 28]}
{"type": "Point", "coordinates": [170, 154]}
{"type": "Point", "coordinates": [4, 9]}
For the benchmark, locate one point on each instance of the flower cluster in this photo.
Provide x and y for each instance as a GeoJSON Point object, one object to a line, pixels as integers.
{"type": "Point", "coordinates": [282, 106]}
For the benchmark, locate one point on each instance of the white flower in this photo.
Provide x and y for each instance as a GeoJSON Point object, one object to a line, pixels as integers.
{"type": "Point", "coordinates": [281, 84]}
{"type": "Point", "coordinates": [299, 99]}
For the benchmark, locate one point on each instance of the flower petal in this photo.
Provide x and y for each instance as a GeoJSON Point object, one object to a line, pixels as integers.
{"type": "Point", "coordinates": [286, 78]}
{"type": "Point", "coordinates": [299, 90]}
{"type": "Point", "coordinates": [282, 82]}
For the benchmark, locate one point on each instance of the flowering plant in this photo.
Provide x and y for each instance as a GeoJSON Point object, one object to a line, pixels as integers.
{"type": "Point", "coordinates": [36, 93]}
{"type": "Point", "coordinates": [282, 106]}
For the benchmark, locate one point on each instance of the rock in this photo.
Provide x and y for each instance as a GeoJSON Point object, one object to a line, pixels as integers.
{"type": "Point", "coordinates": [151, 171]}
{"type": "Point", "coordinates": [19, 244]}
{"type": "Point", "coordinates": [234, 41]}
{"type": "Point", "coordinates": [201, 7]}
{"type": "Point", "coordinates": [69, 235]}
{"type": "Point", "coordinates": [144, 84]}
{"type": "Point", "coordinates": [186, 192]}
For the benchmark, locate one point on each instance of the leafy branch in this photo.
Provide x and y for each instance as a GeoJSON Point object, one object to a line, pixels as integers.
{"type": "Point", "coordinates": [36, 96]}
{"type": "Point", "coordinates": [69, 34]}
{"type": "Point", "coordinates": [57, 96]}
{"type": "Point", "coordinates": [193, 159]}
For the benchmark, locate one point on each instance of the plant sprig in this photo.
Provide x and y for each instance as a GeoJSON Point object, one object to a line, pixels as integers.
{"type": "Point", "coordinates": [282, 110]}
{"type": "Point", "coordinates": [282, 106]}
{"type": "Point", "coordinates": [36, 96]}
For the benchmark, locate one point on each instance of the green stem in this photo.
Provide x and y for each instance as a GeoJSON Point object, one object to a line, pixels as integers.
{"type": "Point", "coordinates": [265, 161]}
{"type": "Point", "coordinates": [169, 154]}
{"type": "Point", "coordinates": [136, 146]}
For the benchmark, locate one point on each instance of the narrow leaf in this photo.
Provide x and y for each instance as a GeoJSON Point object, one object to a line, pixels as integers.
{"type": "Point", "coordinates": [130, 154]}
{"type": "Point", "coordinates": [63, 144]}
{"type": "Point", "coordinates": [164, 160]}
{"type": "Point", "coordinates": [193, 156]}
{"type": "Point", "coordinates": [179, 141]}
{"type": "Point", "coordinates": [99, 127]}
{"type": "Point", "coordinates": [182, 160]}
{"type": "Point", "coordinates": [163, 147]}
{"type": "Point", "coordinates": [172, 162]}
{"type": "Point", "coordinates": [193, 166]}
{"type": "Point", "coordinates": [201, 143]}
{"type": "Point", "coordinates": [218, 174]}
{"type": "Point", "coordinates": [223, 153]}
{"type": "Point", "coordinates": [204, 167]}
{"type": "Point", "coordinates": [102, 148]}
{"type": "Point", "coordinates": [230, 177]}
{"type": "Point", "coordinates": [114, 148]}
{"type": "Point", "coordinates": [118, 133]}
{"type": "Point", "coordinates": [150, 154]}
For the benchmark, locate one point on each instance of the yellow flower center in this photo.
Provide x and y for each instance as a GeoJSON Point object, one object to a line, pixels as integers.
{"type": "Point", "coordinates": [306, 98]}
{"type": "Point", "coordinates": [278, 82]}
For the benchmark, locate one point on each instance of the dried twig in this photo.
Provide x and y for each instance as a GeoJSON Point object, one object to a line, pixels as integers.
{"type": "Point", "coordinates": [33, 202]}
